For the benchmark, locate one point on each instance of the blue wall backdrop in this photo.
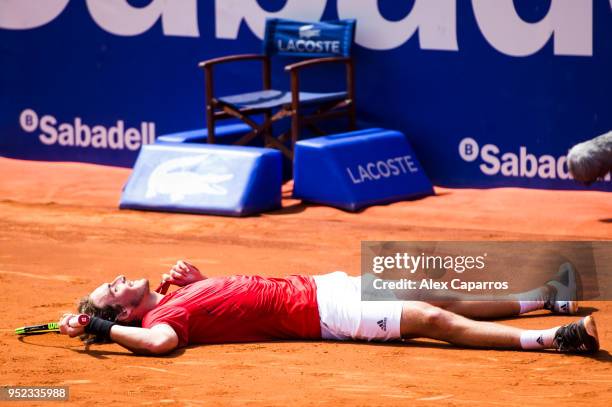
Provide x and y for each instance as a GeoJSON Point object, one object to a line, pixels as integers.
{"type": "Point", "coordinates": [490, 93]}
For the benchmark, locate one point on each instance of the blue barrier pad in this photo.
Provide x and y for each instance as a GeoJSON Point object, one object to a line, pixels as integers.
{"type": "Point", "coordinates": [210, 179]}
{"type": "Point", "coordinates": [358, 169]}
{"type": "Point", "coordinates": [227, 134]}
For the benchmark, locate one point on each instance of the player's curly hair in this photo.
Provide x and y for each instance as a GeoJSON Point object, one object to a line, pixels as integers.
{"type": "Point", "coordinates": [109, 312]}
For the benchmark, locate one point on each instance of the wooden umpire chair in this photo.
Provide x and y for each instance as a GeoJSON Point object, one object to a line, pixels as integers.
{"type": "Point", "coordinates": [319, 43]}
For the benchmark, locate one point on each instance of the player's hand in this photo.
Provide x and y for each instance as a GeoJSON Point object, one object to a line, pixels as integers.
{"type": "Point", "coordinates": [182, 274]}
{"type": "Point", "coordinates": [66, 329]}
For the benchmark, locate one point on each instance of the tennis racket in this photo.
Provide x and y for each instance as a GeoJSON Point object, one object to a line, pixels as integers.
{"type": "Point", "coordinates": [82, 319]}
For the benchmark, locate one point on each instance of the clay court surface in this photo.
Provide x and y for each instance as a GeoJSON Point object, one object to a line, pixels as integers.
{"type": "Point", "coordinates": [62, 235]}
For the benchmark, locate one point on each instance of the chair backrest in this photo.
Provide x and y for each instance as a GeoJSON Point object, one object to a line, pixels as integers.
{"type": "Point", "coordinates": [308, 39]}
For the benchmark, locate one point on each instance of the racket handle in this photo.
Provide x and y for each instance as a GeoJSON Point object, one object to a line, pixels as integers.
{"type": "Point", "coordinates": [79, 320]}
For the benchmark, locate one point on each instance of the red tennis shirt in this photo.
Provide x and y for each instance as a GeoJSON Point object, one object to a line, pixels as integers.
{"type": "Point", "coordinates": [240, 309]}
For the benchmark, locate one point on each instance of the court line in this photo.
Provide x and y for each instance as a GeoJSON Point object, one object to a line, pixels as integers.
{"type": "Point", "coordinates": [156, 369]}
{"type": "Point", "coordinates": [435, 398]}
{"type": "Point", "coordinates": [57, 277]}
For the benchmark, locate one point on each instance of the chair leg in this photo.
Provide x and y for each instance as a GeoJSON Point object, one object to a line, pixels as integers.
{"type": "Point", "coordinates": [209, 104]}
{"type": "Point", "coordinates": [268, 131]}
{"type": "Point", "coordinates": [295, 129]}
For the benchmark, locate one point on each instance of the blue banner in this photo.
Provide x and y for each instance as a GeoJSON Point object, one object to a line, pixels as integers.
{"type": "Point", "coordinates": [490, 93]}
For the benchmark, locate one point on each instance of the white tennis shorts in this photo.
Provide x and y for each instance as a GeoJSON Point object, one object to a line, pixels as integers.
{"type": "Point", "coordinates": [345, 317]}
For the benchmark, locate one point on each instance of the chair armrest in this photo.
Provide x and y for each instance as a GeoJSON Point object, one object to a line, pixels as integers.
{"type": "Point", "coordinates": [207, 67]}
{"type": "Point", "coordinates": [294, 69]}
{"type": "Point", "coordinates": [318, 61]}
{"type": "Point", "coordinates": [231, 58]}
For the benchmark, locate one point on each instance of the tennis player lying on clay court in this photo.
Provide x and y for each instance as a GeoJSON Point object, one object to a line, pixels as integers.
{"type": "Point", "coordinates": [252, 308]}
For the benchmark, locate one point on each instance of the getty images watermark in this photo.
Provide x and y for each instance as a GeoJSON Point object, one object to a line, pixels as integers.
{"type": "Point", "coordinates": [484, 271]}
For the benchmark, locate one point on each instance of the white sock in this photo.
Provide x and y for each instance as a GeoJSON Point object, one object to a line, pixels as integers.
{"type": "Point", "coordinates": [528, 306]}
{"type": "Point", "coordinates": [538, 339]}
{"type": "Point", "coordinates": [533, 300]}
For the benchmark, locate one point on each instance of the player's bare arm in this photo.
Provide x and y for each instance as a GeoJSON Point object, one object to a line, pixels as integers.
{"type": "Point", "coordinates": [158, 340]}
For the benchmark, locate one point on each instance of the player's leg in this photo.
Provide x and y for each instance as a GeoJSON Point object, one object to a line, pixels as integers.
{"type": "Point", "coordinates": [557, 295]}
{"type": "Point", "coordinates": [479, 309]}
{"type": "Point", "coordinates": [420, 319]}
{"type": "Point", "coordinates": [344, 317]}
